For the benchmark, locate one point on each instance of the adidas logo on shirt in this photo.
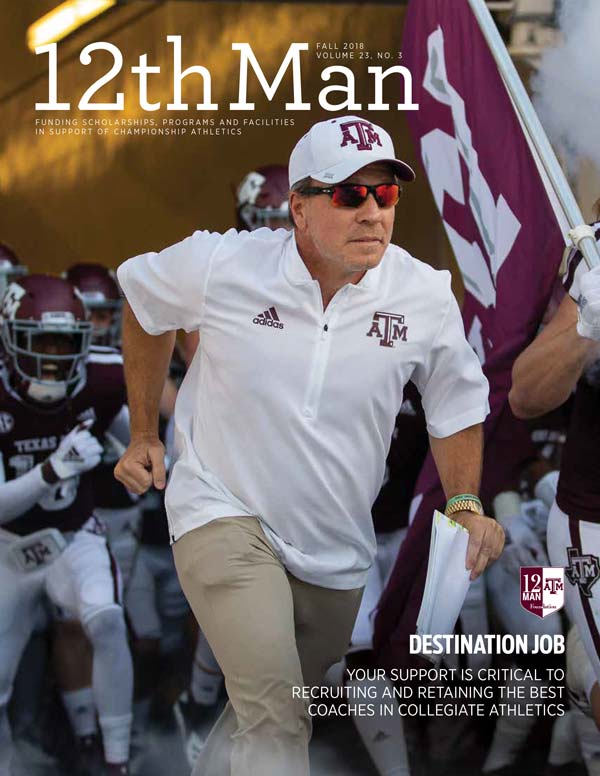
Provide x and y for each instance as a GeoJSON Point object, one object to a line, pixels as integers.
{"type": "Point", "coordinates": [268, 318]}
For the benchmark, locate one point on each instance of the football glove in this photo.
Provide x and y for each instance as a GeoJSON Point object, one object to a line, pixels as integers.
{"type": "Point", "coordinates": [588, 306]}
{"type": "Point", "coordinates": [78, 452]}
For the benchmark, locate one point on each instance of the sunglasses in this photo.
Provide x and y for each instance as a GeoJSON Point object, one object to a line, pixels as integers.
{"type": "Point", "coordinates": [354, 194]}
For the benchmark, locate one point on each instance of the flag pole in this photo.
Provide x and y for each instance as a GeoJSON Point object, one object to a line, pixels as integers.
{"type": "Point", "coordinates": [580, 234]}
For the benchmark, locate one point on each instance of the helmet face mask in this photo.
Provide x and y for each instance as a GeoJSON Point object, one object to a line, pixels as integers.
{"type": "Point", "coordinates": [46, 348]}
{"type": "Point", "coordinates": [273, 218]}
{"type": "Point", "coordinates": [12, 271]}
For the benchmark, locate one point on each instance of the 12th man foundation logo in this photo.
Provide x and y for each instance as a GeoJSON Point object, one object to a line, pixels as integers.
{"type": "Point", "coordinates": [388, 328]}
{"type": "Point", "coordinates": [542, 589]}
{"type": "Point", "coordinates": [364, 137]}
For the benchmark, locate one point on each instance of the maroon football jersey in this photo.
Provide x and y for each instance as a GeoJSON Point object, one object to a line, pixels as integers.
{"type": "Point", "coordinates": [408, 448]}
{"type": "Point", "coordinates": [578, 492]}
{"type": "Point", "coordinates": [29, 433]}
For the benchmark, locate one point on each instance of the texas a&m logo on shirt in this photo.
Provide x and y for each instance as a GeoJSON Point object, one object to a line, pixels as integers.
{"type": "Point", "coordinates": [364, 136]}
{"type": "Point", "coordinates": [36, 554]}
{"type": "Point", "coordinates": [388, 328]}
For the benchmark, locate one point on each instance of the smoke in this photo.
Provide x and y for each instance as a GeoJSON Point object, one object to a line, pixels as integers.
{"type": "Point", "coordinates": [566, 89]}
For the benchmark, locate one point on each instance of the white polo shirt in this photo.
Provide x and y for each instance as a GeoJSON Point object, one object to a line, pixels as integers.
{"type": "Point", "coordinates": [287, 410]}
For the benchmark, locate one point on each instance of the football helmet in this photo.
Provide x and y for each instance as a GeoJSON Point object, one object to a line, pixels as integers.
{"type": "Point", "coordinates": [100, 292]}
{"type": "Point", "coordinates": [11, 267]}
{"type": "Point", "coordinates": [46, 334]}
{"type": "Point", "coordinates": [262, 199]}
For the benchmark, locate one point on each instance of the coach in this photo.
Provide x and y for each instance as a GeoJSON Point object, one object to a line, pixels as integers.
{"type": "Point", "coordinates": [284, 420]}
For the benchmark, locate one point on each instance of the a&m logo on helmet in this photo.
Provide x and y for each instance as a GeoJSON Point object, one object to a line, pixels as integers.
{"type": "Point", "coordinates": [249, 188]}
{"type": "Point", "coordinates": [7, 422]}
{"type": "Point", "coordinates": [11, 301]}
{"type": "Point", "coordinates": [359, 133]}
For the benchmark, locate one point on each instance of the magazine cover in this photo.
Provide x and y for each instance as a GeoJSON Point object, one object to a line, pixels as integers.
{"type": "Point", "coordinates": [300, 314]}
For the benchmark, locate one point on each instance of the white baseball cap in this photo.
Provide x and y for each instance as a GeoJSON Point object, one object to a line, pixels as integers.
{"type": "Point", "coordinates": [334, 149]}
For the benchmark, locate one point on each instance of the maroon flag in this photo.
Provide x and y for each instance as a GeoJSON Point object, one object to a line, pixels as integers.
{"type": "Point", "coordinates": [507, 240]}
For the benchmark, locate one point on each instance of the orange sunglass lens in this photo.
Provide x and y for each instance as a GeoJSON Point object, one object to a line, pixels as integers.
{"type": "Point", "coordinates": [349, 196]}
{"type": "Point", "coordinates": [386, 195]}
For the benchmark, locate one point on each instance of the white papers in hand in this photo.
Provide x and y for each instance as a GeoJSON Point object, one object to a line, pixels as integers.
{"type": "Point", "coordinates": [447, 579]}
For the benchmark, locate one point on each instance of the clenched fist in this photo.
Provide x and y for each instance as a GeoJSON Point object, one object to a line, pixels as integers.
{"type": "Point", "coordinates": [142, 464]}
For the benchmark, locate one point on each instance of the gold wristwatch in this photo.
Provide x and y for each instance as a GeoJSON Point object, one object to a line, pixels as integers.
{"type": "Point", "coordinates": [464, 505]}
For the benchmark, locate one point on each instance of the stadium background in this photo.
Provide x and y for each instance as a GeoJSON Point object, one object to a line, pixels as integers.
{"type": "Point", "coordinates": [104, 198]}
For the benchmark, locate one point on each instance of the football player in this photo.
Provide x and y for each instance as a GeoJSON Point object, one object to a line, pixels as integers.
{"type": "Point", "coordinates": [54, 392]}
{"type": "Point", "coordinates": [11, 268]}
{"type": "Point", "coordinates": [100, 291]}
{"type": "Point", "coordinates": [116, 508]}
{"type": "Point", "coordinates": [565, 358]}
{"type": "Point", "coordinates": [153, 598]}
{"type": "Point", "coordinates": [262, 199]}
{"type": "Point", "coordinates": [525, 525]}
{"type": "Point", "coordinates": [575, 736]}
{"type": "Point", "coordinates": [524, 517]}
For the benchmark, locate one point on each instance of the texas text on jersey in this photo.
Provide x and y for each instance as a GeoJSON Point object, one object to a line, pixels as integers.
{"type": "Point", "coordinates": [30, 432]}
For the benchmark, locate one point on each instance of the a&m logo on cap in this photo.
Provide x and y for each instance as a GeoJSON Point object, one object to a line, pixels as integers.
{"type": "Point", "coordinates": [359, 133]}
{"type": "Point", "coordinates": [542, 589]}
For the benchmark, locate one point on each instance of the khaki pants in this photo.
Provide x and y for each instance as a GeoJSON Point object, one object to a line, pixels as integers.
{"type": "Point", "coordinates": [270, 632]}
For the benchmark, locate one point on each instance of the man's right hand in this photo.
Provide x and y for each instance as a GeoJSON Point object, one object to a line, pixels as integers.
{"type": "Point", "coordinates": [142, 464]}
